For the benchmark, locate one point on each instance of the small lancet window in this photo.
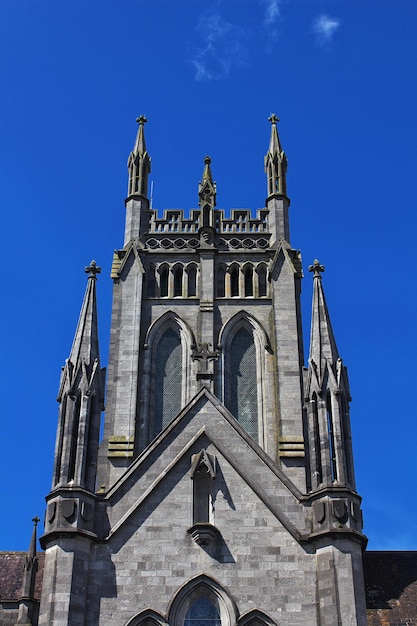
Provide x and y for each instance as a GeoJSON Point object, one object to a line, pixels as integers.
{"type": "Point", "coordinates": [192, 281]}
{"type": "Point", "coordinates": [262, 284]}
{"type": "Point", "coordinates": [150, 282]}
{"type": "Point", "coordinates": [248, 281]}
{"type": "Point", "coordinates": [220, 282]}
{"type": "Point", "coordinates": [163, 285]}
{"type": "Point", "coordinates": [330, 434]}
{"type": "Point", "coordinates": [178, 272]}
{"type": "Point", "coordinates": [234, 281]}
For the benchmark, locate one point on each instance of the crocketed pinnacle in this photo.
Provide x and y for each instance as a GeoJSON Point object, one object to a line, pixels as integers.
{"type": "Point", "coordinates": [85, 346]}
{"type": "Point", "coordinates": [139, 163]}
{"type": "Point", "coordinates": [322, 342]}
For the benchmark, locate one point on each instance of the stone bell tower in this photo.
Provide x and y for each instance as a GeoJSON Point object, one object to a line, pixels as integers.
{"type": "Point", "coordinates": [223, 489]}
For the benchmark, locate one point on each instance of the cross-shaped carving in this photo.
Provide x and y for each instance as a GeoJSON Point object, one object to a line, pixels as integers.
{"type": "Point", "coordinates": [141, 120]}
{"type": "Point", "coordinates": [92, 269]}
{"type": "Point", "coordinates": [273, 118]}
{"type": "Point", "coordinates": [204, 355]}
{"type": "Point", "coordinates": [36, 520]}
{"type": "Point", "coordinates": [316, 268]}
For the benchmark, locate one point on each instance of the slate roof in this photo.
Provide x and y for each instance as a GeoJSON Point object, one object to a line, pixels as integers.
{"type": "Point", "coordinates": [11, 575]}
{"type": "Point", "coordinates": [391, 588]}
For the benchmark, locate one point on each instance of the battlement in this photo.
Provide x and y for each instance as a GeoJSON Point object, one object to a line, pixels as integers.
{"type": "Point", "coordinates": [241, 221]}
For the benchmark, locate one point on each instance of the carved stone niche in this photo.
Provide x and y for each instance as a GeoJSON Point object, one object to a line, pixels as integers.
{"type": "Point", "coordinates": [203, 473]}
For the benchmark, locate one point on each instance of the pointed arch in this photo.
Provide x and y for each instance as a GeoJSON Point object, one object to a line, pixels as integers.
{"type": "Point", "coordinates": [220, 280]}
{"type": "Point", "coordinates": [150, 281]}
{"type": "Point", "coordinates": [178, 277]}
{"type": "Point", "coordinates": [147, 618]}
{"type": "Point", "coordinates": [242, 371]}
{"type": "Point", "coordinates": [234, 271]}
{"type": "Point", "coordinates": [255, 618]}
{"type": "Point", "coordinates": [203, 589]}
{"type": "Point", "coordinates": [262, 283]}
{"type": "Point", "coordinates": [167, 373]}
{"type": "Point", "coordinates": [163, 271]}
{"type": "Point", "coordinates": [191, 271]}
{"type": "Point", "coordinates": [248, 280]}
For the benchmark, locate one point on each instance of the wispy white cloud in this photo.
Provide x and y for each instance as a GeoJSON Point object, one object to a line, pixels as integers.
{"type": "Point", "coordinates": [222, 47]}
{"type": "Point", "coordinates": [272, 11]}
{"type": "Point", "coordinates": [324, 28]}
{"type": "Point", "coordinates": [271, 18]}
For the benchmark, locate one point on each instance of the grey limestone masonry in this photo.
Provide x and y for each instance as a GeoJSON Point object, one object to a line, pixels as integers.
{"type": "Point", "coordinates": [245, 496]}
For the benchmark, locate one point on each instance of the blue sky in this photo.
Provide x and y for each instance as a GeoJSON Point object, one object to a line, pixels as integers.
{"type": "Point", "coordinates": [341, 75]}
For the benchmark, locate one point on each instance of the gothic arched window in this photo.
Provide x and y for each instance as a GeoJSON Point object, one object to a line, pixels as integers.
{"type": "Point", "coordinates": [202, 612]}
{"type": "Point", "coordinates": [192, 280]}
{"type": "Point", "coordinates": [234, 281]}
{"type": "Point", "coordinates": [242, 388]}
{"type": "Point", "coordinates": [163, 281]}
{"type": "Point", "coordinates": [262, 283]}
{"type": "Point", "coordinates": [248, 273]}
{"type": "Point", "coordinates": [150, 282]}
{"type": "Point", "coordinates": [178, 272]}
{"type": "Point", "coordinates": [220, 282]}
{"type": "Point", "coordinates": [168, 379]}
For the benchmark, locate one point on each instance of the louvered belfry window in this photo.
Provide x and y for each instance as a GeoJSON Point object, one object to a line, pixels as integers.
{"type": "Point", "coordinates": [168, 379]}
{"type": "Point", "coordinates": [243, 394]}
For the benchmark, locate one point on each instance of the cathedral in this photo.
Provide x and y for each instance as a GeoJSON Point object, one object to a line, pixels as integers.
{"type": "Point", "coordinates": [222, 490]}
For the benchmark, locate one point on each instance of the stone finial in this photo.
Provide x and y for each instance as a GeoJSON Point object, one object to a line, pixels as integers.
{"type": "Point", "coordinates": [92, 270]}
{"type": "Point", "coordinates": [36, 520]}
{"type": "Point", "coordinates": [141, 120]}
{"type": "Point", "coordinates": [317, 268]}
{"type": "Point", "coordinates": [273, 118]}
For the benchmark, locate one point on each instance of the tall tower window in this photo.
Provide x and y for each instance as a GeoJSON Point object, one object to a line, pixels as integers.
{"type": "Point", "coordinates": [150, 282]}
{"type": "Point", "coordinates": [168, 380]}
{"type": "Point", "coordinates": [178, 272]}
{"type": "Point", "coordinates": [163, 284]}
{"type": "Point", "coordinates": [192, 281]}
{"type": "Point", "coordinates": [262, 284]}
{"type": "Point", "coordinates": [220, 282]}
{"type": "Point", "coordinates": [242, 387]}
{"type": "Point", "coordinates": [234, 281]}
{"type": "Point", "coordinates": [202, 613]}
{"type": "Point", "coordinates": [248, 281]}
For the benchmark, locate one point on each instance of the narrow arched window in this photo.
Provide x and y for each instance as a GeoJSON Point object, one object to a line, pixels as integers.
{"type": "Point", "coordinates": [192, 281]}
{"type": "Point", "coordinates": [248, 281]}
{"type": "Point", "coordinates": [220, 282]}
{"type": "Point", "coordinates": [262, 284]}
{"type": "Point", "coordinates": [178, 272]}
{"type": "Point", "coordinates": [150, 282]}
{"type": "Point", "coordinates": [330, 434]}
{"type": "Point", "coordinates": [163, 285]}
{"type": "Point", "coordinates": [168, 379]}
{"type": "Point", "coordinates": [242, 385]}
{"type": "Point", "coordinates": [234, 281]}
{"type": "Point", "coordinates": [202, 612]}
